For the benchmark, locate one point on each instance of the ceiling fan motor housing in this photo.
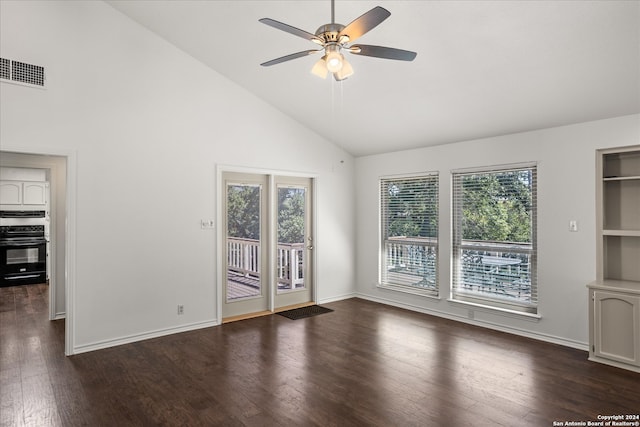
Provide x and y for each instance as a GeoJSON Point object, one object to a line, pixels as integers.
{"type": "Point", "coordinates": [329, 32]}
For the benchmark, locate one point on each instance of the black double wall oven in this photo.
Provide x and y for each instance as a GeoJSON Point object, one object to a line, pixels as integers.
{"type": "Point", "coordinates": [23, 248]}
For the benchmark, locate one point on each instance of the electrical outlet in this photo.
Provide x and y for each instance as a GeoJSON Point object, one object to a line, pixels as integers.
{"type": "Point", "coordinates": [573, 225]}
{"type": "Point", "coordinates": [180, 309]}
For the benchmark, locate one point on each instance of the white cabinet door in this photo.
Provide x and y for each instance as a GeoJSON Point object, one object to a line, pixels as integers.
{"type": "Point", "coordinates": [26, 193]}
{"type": "Point", "coordinates": [617, 327]}
{"type": "Point", "coordinates": [34, 193]}
{"type": "Point", "coordinates": [11, 193]}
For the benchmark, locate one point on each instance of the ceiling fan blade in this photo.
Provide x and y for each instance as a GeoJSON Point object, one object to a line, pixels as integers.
{"type": "Point", "coordinates": [291, 30]}
{"type": "Point", "coordinates": [383, 52]}
{"type": "Point", "coordinates": [289, 57]}
{"type": "Point", "coordinates": [365, 23]}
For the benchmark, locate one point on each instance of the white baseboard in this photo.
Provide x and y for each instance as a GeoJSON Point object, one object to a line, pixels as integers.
{"type": "Point", "coordinates": [200, 325]}
{"type": "Point", "coordinates": [338, 298]}
{"type": "Point", "coordinates": [615, 363]}
{"type": "Point", "coordinates": [60, 316]}
{"type": "Point", "coordinates": [482, 323]}
{"type": "Point", "coordinates": [99, 345]}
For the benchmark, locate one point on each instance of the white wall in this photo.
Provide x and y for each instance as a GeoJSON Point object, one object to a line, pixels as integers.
{"type": "Point", "coordinates": [147, 125]}
{"type": "Point", "coordinates": [566, 191]}
{"type": "Point", "coordinates": [22, 174]}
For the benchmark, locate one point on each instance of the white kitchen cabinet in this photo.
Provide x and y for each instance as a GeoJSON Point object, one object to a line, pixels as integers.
{"type": "Point", "coordinates": [10, 193]}
{"type": "Point", "coordinates": [35, 193]}
{"type": "Point", "coordinates": [614, 313]}
{"type": "Point", "coordinates": [615, 325]}
{"type": "Point", "coordinates": [28, 194]}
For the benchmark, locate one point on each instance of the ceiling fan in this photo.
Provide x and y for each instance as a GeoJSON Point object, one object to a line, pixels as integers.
{"type": "Point", "coordinates": [335, 38]}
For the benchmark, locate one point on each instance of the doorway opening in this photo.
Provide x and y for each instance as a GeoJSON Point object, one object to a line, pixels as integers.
{"type": "Point", "coordinates": [60, 223]}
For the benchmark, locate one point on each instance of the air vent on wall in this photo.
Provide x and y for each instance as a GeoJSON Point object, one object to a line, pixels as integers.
{"type": "Point", "coordinates": [4, 69]}
{"type": "Point", "coordinates": [22, 73]}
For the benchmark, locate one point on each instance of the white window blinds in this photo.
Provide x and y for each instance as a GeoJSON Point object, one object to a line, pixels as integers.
{"type": "Point", "coordinates": [409, 233]}
{"type": "Point", "coordinates": [494, 238]}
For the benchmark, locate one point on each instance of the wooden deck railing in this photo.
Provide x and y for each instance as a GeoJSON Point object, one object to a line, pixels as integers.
{"type": "Point", "coordinates": [290, 265]}
{"type": "Point", "coordinates": [244, 258]}
{"type": "Point", "coordinates": [410, 261]}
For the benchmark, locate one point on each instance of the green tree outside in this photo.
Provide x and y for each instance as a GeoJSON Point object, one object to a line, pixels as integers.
{"type": "Point", "coordinates": [291, 206]}
{"type": "Point", "coordinates": [412, 208]}
{"type": "Point", "coordinates": [497, 207]}
{"type": "Point", "coordinates": [243, 213]}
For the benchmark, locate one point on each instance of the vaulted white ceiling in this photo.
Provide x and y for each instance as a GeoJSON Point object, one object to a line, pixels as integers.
{"type": "Point", "coordinates": [484, 68]}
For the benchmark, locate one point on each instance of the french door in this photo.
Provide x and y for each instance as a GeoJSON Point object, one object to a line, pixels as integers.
{"type": "Point", "coordinates": [246, 288]}
{"type": "Point", "coordinates": [268, 242]}
{"type": "Point", "coordinates": [294, 243]}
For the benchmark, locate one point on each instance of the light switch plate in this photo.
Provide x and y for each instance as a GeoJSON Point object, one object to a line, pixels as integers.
{"type": "Point", "coordinates": [206, 224]}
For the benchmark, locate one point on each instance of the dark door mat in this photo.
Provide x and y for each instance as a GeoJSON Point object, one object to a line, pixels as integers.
{"type": "Point", "coordinates": [301, 313]}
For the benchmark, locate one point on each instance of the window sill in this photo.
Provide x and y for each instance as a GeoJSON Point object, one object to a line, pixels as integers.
{"type": "Point", "coordinates": [497, 310]}
{"type": "Point", "coordinates": [408, 290]}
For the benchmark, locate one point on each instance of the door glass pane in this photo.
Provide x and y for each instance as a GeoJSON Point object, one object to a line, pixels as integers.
{"type": "Point", "coordinates": [243, 241]}
{"type": "Point", "coordinates": [291, 238]}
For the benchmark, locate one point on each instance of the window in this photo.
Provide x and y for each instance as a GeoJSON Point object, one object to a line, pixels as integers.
{"type": "Point", "coordinates": [409, 233]}
{"type": "Point", "coordinates": [494, 238]}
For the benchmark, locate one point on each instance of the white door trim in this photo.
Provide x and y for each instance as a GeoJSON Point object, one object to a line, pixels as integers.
{"type": "Point", "coordinates": [70, 234]}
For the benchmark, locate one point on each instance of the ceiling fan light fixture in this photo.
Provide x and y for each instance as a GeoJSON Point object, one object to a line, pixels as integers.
{"type": "Point", "coordinates": [334, 58]}
{"type": "Point", "coordinates": [345, 71]}
{"type": "Point", "coordinates": [334, 37]}
{"type": "Point", "coordinates": [335, 62]}
{"type": "Point", "coordinates": [320, 68]}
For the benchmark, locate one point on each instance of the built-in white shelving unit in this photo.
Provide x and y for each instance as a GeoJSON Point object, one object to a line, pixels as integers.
{"type": "Point", "coordinates": [614, 314]}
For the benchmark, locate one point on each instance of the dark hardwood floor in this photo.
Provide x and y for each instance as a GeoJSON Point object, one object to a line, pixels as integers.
{"type": "Point", "coordinates": [363, 364]}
